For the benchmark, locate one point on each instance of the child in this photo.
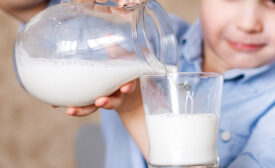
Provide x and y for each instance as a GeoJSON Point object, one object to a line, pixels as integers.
{"type": "Point", "coordinates": [233, 37]}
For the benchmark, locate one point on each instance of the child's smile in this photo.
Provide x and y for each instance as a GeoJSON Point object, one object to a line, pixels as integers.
{"type": "Point", "coordinates": [245, 47]}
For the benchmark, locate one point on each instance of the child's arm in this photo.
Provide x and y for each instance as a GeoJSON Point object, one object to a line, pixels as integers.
{"type": "Point", "coordinates": [133, 119]}
{"type": "Point", "coordinates": [23, 9]}
{"type": "Point", "coordinates": [128, 104]}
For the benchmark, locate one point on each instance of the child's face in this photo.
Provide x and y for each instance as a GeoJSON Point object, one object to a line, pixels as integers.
{"type": "Point", "coordinates": [241, 33]}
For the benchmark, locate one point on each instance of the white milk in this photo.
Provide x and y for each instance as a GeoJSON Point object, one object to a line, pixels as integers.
{"type": "Point", "coordinates": [75, 82]}
{"type": "Point", "coordinates": [182, 139]}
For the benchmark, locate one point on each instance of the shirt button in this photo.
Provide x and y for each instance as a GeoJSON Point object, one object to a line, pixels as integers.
{"type": "Point", "coordinates": [226, 136]}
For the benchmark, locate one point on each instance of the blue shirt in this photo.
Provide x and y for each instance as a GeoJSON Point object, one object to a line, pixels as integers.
{"type": "Point", "coordinates": [247, 123]}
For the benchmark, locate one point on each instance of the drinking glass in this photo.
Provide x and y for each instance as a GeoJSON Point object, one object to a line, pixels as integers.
{"type": "Point", "coordinates": [182, 114]}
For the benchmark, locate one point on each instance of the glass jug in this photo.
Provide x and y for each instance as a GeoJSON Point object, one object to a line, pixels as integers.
{"type": "Point", "coordinates": [74, 52]}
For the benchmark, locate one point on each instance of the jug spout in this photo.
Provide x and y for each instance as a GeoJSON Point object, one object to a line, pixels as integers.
{"type": "Point", "coordinates": [154, 37]}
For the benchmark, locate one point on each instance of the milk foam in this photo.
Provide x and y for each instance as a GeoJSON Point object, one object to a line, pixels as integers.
{"type": "Point", "coordinates": [182, 139]}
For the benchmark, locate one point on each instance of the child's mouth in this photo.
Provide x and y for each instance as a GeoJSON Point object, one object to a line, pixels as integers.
{"type": "Point", "coordinates": [246, 47]}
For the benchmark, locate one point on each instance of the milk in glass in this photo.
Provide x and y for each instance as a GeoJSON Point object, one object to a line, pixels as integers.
{"type": "Point", "coordinates": [182, 139]}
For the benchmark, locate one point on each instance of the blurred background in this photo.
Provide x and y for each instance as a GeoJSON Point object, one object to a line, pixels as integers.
{"type": "Point", "coordinates": [32, 134]}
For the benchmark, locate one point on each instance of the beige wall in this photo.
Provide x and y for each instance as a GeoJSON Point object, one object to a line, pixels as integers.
{"type": "Point", "coordinates": [186, 9]}
{"type": "Point", "coordinates": [32, 134]}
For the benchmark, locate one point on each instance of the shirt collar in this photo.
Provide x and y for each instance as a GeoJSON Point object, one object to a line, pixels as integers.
{"type": "Point", "coordinates": [246, 74]}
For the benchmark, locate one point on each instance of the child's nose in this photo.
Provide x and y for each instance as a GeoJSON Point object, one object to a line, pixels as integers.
{"type": "Point", "coordinates": [249, 20]}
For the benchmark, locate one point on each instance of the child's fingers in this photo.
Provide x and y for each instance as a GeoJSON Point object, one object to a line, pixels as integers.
{"type": "Point", "coordinates": [112, 102]}
{"type": "Point", "coordinates": [100, 102]}
{"type": "Point", "coordinates": [129, 87]}
{"type": "Point", "coordinates": [81, 111]}
{"type": "Point", "coordinates": [121, 3]}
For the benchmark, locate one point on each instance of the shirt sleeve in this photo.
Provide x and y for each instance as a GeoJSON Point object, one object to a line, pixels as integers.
{"type": "Point", "coordinates": [260, 149]}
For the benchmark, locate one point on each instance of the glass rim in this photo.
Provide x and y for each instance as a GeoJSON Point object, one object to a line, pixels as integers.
{"type": "Point", "coordinates": [181, 74]}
